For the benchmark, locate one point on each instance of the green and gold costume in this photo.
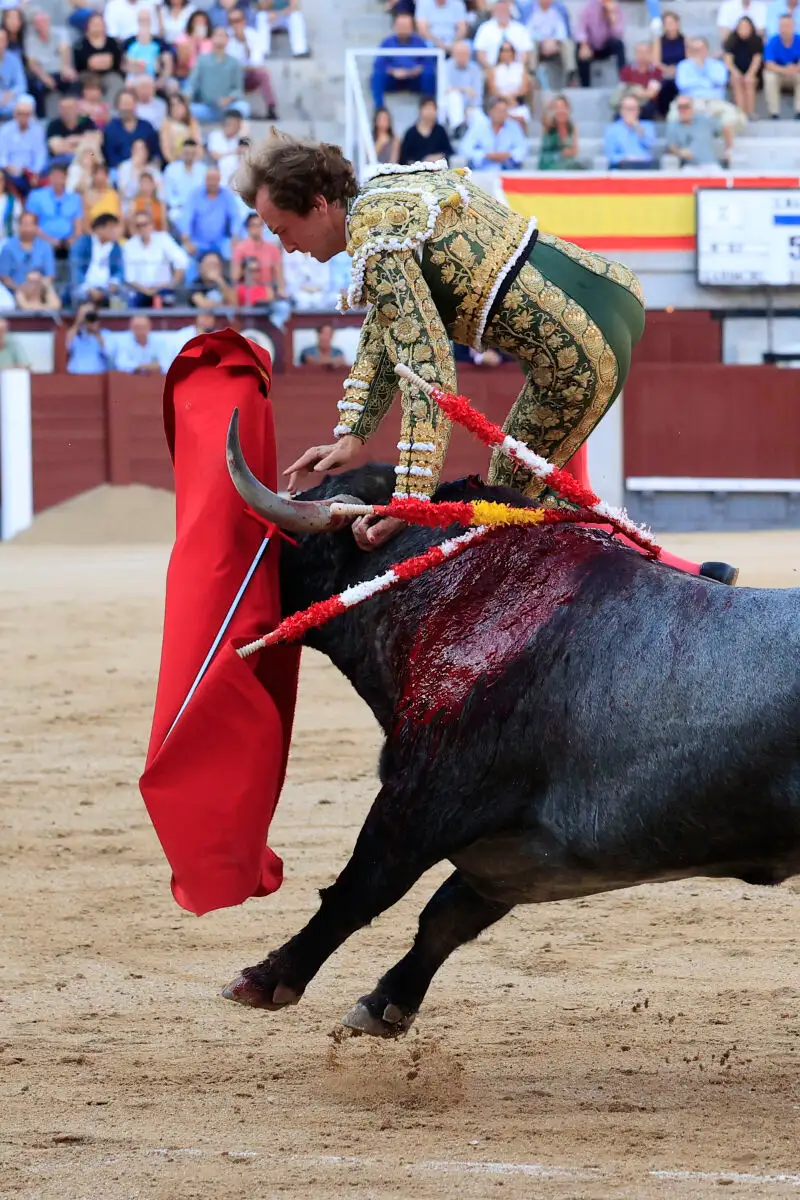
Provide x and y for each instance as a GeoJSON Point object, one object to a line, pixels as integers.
{"type": "Point", "coordinates": [439, 260]}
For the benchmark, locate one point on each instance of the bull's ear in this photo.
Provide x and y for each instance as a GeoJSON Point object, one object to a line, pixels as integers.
{"type": "Point", "coordinates": [374, 483]}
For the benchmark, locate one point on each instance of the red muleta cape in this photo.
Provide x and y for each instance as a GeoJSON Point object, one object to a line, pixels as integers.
{"type": "Point", "coordinates": [211, 788]}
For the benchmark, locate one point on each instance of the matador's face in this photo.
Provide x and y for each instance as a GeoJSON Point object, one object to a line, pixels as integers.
{"type": "Point", "coordinates": [320, 232]}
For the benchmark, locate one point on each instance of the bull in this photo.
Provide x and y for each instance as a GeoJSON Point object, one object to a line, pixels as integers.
{"type": "Point", "coordinates": [562, 717]}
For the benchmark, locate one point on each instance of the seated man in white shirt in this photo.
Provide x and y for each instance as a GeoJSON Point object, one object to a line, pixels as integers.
{"type": "Point", "coordinates": [496, 142]}
{"type": "Point", "coordinates": [307, 283]}
{"type": "Point", "coordinates": [249, 47]}
{"type": "Point", "coordinates": [730, 13]}
{"type": "Point", "coordinates": [223, 144]}
{"type": "Point", "coordinates": [500, 28]}
{"type": "Point", "coordinates": [154, 263]}
{"type": "Point", "coordinates": [182, 177]}
{"type": "Point", "coordinates": [550, 36]}
{"type": "Point", "coordinates": [136, 352]}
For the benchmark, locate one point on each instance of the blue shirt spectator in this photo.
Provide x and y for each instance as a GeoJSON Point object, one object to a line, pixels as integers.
{"type": "Point", "coordinates": [181, 178]}
{"type": "Point", "coordinates": [776, 10]}
{"type": "Point", "coordinates": [629, 142]}
{"type": "Point", "coordinates": [26, 252]}
{"type": "Point", "coordinates": [59, 211]}
{"type": "Point", "coordinates": [403, 72]}
{"type": "Point", "coordinates": [210, 218]}
{"type": "Point", "coordinates": [699, 75]}
{"type": "Point", "coordinates": [22, 142]}
{"type": "Point", "coordinates": [124, 130]}
{"type": "Point", "coordinates": [776, 51]}
{"type": "Point", "coordinates": [87, 349]}
{"type": "Point", "coordinates": [96, 262]}
{"type": "Point", "coordinates": [136, 351]}
{"type": "Point", "coordinates": [12, 77]}
{"type": "Point", "coordinates": [495, 144]}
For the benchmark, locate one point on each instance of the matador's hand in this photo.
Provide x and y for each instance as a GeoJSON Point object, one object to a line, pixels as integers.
{"type": "Point", "coordinates": [372, 532]}
{"type": "Point", "coordinates": [306, 470]}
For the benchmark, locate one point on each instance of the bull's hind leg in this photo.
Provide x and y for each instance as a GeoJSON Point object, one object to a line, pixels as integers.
{"type": "Point", "coordinates": [454, 915]}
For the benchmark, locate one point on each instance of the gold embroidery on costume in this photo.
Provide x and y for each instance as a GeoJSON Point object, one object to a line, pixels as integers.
{"type": "Point", "coordinates": [596, 264]}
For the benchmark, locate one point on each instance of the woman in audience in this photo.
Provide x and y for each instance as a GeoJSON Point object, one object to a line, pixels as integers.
{"type": "Point", "coordinates": [91, 103]}
{"type": "Point", "coordinates": [79, 173]}
{"type": "Point", "coordinates": [146, 200]}
{"type": "Point", "coordinates": [173, 17]}
{"type": "Point", "coordinates": [744, 54]}
{"type": "Point", "coordinates": [559, 148]}
{"type": "Point", "coordinates": [130, 171]}
{"type": "Point", "coordinates": [10, 208]}
{"type": "Point", "coordinates": [387, 145]}
{"type": "Point", "coordinates": [512, 81]}
{"type": "Point", "coordinates": [100, 198]}
{"type": "Point", "coordinates": [668, 51]}
{"type": "Point", "coordinates": [212, 288]}
{"type": "Point", "coordinates": [191, 44]}
{"type": "Point", "coordinates": [14, 24]}
{"type": "Point", "coordinates": [101, 54]}
{"type": "Point", "coordinates": [36, 294]}
{"type": "Point", "coordinates": [179, 125]}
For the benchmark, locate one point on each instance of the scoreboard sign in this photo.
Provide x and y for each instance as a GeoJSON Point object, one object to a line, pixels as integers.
{"type": "Point", "coordinates": [748, 237]}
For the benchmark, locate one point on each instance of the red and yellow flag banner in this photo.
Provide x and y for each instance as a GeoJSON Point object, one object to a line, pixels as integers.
{"type": "Point", "coordinates": [656, 212]}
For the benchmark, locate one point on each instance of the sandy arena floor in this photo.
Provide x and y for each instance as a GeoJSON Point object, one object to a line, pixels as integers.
{"type": "Point", "coordinates": [642, 1044]}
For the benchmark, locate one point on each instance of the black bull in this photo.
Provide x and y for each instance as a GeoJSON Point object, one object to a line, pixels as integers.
{"type": "Point", "coordinates": [562, 717]}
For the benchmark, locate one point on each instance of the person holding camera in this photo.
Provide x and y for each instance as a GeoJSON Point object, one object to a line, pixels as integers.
{"type": "Point", "coordinates": [86, 349]}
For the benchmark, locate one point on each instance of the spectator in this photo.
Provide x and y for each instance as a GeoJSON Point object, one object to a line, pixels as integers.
{"type": "Point", "coordinates": [691, 137]}
{"type": "Point", "coordinates": [599, 32]}
{"type": "Point", "coordinates": [50, 66]}
{"type": "Point", "coordinates": [387, 145]}
{"type": "Point", "coordinates": [219, 13]}
{"type": "Point", "coordinates": [282, 14]}
{"type": "Point", "coordinates": [92, 104]}
{"type": "Point", "coordinates": [442, 23]}
{"type": "Point", "coordinates": [703, 79]}
{"type": "Point", "coordinates": [100, 198]}
{"type": "Point", "coordinates": [549, 32]}
{"type": "Point", "coordinates": [324, 354]}
{"type": "Point", "coordinates": [193, 43]}
{"type": "Point", "coordinates": [12, 77]}
{"type": "Point", "coordinates": [402, 73]}
{"type": "Point", "coordinates": [629, 142]}
{"type": "Point", "coordinates": [510, 79]}
{"type": "Point", "coordinates": [249, 291]}
{"type": "Point", "coordinates": [181, 178]}
{"type": "Point", "coordinates": [204, 322]}
{"type": "Point", "coordinates": [25, 252]}
{"type": "Point", "coordinates": [36, 294]}
{"type": "Point", "coordinates": [463, 84]}
{"type": "Point", "coordinates": [560, 146]}
{"type": "Point", "coordinates": [149, 106]}
{"type": "Point", "coordinates": [210, 218]}
{"type": "Point", "coordinates": [427, 140]}
{"type": "Point", "coordinates": [100, 54]}
{"type": "Point", "coordinates": [778, 9]}
{"type": "Point", "coordinates": [155, 265]}
{"type": "Point", "coordinates": [13, 22]}
{"type": "Point", "coordinates": [498, 29]}
{"type": "Point", "coordinates": [79, 172]}
{"type": "Point", "coordinates": [126, 128]}
{"type": "Point", "coordinates": [223, 144]}
{"type": "Point", "coordinates": [10, 209]}
{"type": "Point", "coordinates": [122, 17]}
{"type": "Point", "coordinates": [216, 82]}
{"type": "Point", "coordinates": [744, 54]}
{"type": "Point", "coordinates": [136, 351]}
{"type": "Point", "coordinates": [642, 80]}
{"type": "Point", "coordinates": [69, 132]}
{"type": "Point", "coordinates": [130, 172]}
{"type": "Point", "coordinates": [11, 352]}
{"type": "Point", "coordinates": [255, 248]}
{"type": "Point", "coordinates": [247, 47]}
{"type": "Point", "coordinates": [23, 152]}
{"type": "Point", "coordinates": [496, 143]}
{"type": "Point", "coordinates": [147, 201]}
{"type": "Point", "coordinates": [59, 212]}
{"type": "Point", "coordinates": [173, 19]}
{"type": "Point", "coordinates": [731, 12]}
{"type": "Point", "coordinates": [307, 282]}
{"type": "Point", "coordinates": [668, 50]}
{"type": "Point", "coordinates": [85, 342]}
{"type": "Point", "coordinates": [212, 288]}
{"type": "Point", "coordinates": [96, 264]}
{"type": "Point", "coordinates": [782, 67]}
{"type": "Point", "coordinates": [179, 125]}
{"type": "Point", "coordinates": [144, 54]}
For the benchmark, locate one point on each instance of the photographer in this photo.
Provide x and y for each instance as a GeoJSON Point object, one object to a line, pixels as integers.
{"type": "Point", "coordinates": [86, 350]}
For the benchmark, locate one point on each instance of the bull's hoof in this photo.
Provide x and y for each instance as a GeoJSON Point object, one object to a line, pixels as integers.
{"type": "Point", "coordinates": [391, 1023]}
{"type": "Point", "coordinates": [254, 992]}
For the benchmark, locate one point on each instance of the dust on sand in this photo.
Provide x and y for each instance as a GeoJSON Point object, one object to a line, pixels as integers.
{"type": "Point", "coordinates": [640, 1044]}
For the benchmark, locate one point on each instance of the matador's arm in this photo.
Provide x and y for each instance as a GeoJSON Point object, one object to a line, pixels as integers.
{"type": "Point", "coordinates": [403, 326]}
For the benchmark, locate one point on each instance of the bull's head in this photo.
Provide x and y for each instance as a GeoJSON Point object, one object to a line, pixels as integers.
{"type": "Point", "coordinates": [293, 516]}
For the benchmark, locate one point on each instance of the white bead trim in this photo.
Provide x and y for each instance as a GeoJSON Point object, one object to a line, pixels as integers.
{"type": "Point", "coordinates": [349, 406]}
{"type": "Point", "coordinates": [356, 383]}
{"type": "Point", "coordinates": [441, 164]}
{"type": "Point", "coordinates": [342, 431]}
{"type": "Point", "coordinates": [410, 495]}
{"type": "Point", "coordinates": [423, 447]}
{"type": "Point", "coordinates": [477, 341]}
{"type": "Point", "coordinates": [413, 471]}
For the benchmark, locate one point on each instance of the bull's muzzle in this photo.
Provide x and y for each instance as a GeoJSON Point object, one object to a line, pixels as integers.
{"type": "Point", "coordinates": [293, 516]}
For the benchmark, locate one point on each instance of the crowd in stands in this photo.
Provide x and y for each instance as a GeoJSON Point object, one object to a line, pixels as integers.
{"type": "Point", "coordinates": [679, 95]}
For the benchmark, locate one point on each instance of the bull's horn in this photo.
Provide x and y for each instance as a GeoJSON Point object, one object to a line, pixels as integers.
{"type": "Point", "coordinates": [294, 516]}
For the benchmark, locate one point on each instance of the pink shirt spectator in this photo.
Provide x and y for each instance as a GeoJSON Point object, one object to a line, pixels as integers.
{"type": "Point", "coordinates": [598, 22]}
{"type": "Point", "coordinates": [193, 50]}
{"type": "Point", "coordinates": [267, 254]}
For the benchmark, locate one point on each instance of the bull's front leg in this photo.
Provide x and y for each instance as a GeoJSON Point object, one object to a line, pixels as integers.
{"type": "Point", "coordinates": [400, 840]}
